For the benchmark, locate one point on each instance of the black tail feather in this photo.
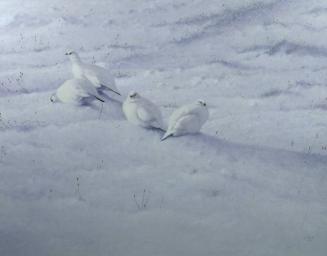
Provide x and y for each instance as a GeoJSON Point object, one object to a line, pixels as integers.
{"type": "Point", "coordinates": [99, 99]}
{"type": "Point", "coordinates": [108, 88]}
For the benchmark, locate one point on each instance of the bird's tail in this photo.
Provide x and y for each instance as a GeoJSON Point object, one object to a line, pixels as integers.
{"type": "Point", "coordinates": [109, 89]}
{"type": "Point", "coordinates": [116, 98]}
{"type": "Point", "coordinates": [167, 135]}
{"type": "Point", "coordinates": [99, 99]}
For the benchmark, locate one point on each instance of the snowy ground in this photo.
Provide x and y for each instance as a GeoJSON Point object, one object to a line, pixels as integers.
{"type": "Point", "coordinates": [253, 183]}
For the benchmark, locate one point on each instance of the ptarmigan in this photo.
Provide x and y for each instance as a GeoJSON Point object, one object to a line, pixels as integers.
{"type": "Point", "coordinates": [76, 91]}
{"type": "Point", "coordinates": [101, 78]}
{"type": "Point", "coordinates": [187, 119]}
{"type": "Point", "coordinates": [142, 112]}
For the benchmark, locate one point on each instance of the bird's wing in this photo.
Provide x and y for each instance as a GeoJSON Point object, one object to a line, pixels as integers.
{"type": "Point", "coordinates": [187, 123]}
{"type": "Point", "coordinates": [70, 91]}
{"type": "Point", "coordinates": [155, 113]}
{"type": "Point", "coordinates": [144, 114]}
{"type": "Point", "coordinates": [88, 88]}
{"type": "Point", "coordinates": [93, 77]}
{"type": "Point", "coordinates": [100, 77]}
{"type": "Point", "coordinates": [175, 116]}
{"type": "Point", "coordinates": [185, 110]}
{"type": "Point", "coordinates": [91, 90]}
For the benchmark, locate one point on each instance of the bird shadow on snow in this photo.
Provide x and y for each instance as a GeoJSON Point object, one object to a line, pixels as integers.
{"type": "Point", "coordinates": [110, 108]}
{"type": "Point", "coordinates": [212, 145]}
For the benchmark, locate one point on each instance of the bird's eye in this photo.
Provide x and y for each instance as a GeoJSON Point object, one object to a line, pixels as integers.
{"type": "Point", "coordinates": [204, 104]}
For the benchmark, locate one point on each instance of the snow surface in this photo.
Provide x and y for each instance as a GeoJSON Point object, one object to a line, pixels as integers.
{"type": "Point", "coordinates": [83, 181]}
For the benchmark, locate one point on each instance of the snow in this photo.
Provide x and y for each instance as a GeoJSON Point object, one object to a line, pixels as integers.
{"type": "Point", "coordinates": [84, 181]}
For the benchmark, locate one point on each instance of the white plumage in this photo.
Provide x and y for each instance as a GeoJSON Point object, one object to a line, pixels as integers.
{"type": "Point", "coordinates": [101, 78]}
{"type": "Point", "coordinates": [187, 119]}
{"type": "Point", "coordinates": [76, 91]}
{"type": "Point", "coordinates": [142, 112]}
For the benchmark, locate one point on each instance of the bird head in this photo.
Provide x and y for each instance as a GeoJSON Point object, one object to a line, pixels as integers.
{"type": "Point", "coordinates": [70, 53]}
{"type": "Point", "coordinates": [53, 98]}
{"type": "Point", "coordinates": [133, 95]}
{"type": "Point", "coordinates": [73, 56]}
{"type": "Point", "coordinates": [202, 103]}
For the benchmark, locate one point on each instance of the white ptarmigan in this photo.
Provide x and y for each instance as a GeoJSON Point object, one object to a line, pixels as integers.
{"type": "Point", "coordinates": [76, 91]}
{"type": "Point", "coordinates": [142, 112]}
{"type": "Point", "coordinates": [187, 119]}
{"type": "Point", "coordinates": [101, 78]}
